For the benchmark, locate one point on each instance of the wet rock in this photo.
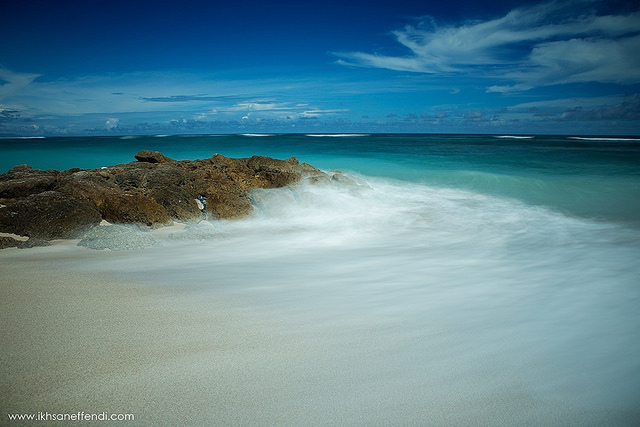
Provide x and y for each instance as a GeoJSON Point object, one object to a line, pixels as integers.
{"type": "Point", "coordinates": [10, 242]}
{"type": "Point", "coordinates": [150, 192]}
{"type": "Point", "coordinates": [348, 181]}
{"type": "Point", "coordinates": [134, 208]}
{"type": "Point", "coordinates": [179, 204]}
{"type": "Point", "coordinates": [229, 205]}
{"type": "Point", "coordinates": [49, 215]}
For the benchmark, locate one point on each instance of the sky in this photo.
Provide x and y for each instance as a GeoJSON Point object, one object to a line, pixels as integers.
{"type": "Point", "coordinates": [90, 67]}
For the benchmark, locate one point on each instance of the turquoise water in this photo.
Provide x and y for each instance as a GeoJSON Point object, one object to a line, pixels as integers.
{"type": "Point", "coordinates": [481, 280]}
{"type": "Point", "coordinates": [590, 177]}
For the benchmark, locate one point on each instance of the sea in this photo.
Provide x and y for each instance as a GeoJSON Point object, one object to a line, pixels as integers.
{"type": "Point", "coordinates": [475, 279]}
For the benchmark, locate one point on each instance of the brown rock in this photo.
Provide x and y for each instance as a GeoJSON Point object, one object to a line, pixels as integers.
{"type": "Point", "coordinates": [152, 157]}
{"type": "Point", "coordinates": [150, 192]}
{"type": "Point", "coordinates": [229, 205]}
{"type": "Point", "coordinates": [133, 208]}
{"type": "Point", "coordinates": [49, 215]}
{"type": "Point", "coordinates": [23, 181]}
{"type": "Point", "coordinates": [179, 203]}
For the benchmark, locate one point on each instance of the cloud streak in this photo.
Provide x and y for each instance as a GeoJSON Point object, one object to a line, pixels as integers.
{"type": "Point", "coordinates": [541, 45]}
{"type": "Point", "coordinates": [187, 98]}
{"type": "Point", "coordinates": [141, 102]}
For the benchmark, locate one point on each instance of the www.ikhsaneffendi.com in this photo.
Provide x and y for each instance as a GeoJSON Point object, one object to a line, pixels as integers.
{"type": "Point", "coordinates": [78, 416]}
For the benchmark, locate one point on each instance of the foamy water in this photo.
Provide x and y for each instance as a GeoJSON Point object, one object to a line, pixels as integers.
{"type": "Point", "coordinates": [437, 298]}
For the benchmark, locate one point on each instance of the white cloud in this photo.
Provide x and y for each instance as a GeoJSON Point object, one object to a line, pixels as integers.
{"type": "Point", "coordinates": [578, 60]}
{"type": "Point", "coordinates": [112, 124]}
{"type": "Point", "coordinates": [541, 45]}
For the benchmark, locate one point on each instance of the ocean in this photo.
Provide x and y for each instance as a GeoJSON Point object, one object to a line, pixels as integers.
{"type": "Point", "coordinates": [480, 280]}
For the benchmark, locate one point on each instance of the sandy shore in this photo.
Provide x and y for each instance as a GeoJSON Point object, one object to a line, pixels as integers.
{"type": "Point", "coordinates": [76, 338]}
{"type": "Point", "coordinates": [90, 342]}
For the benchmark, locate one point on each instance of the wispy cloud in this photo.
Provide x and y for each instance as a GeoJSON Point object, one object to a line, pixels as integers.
{"type": "Point", "coordinates": [137, 102]}
{"type": "Point", "coordinates": [541, 45]}
{"type": "Point", "coordinates": [187, 98]}
{"type": "Point", "coordinates": [12, 82]}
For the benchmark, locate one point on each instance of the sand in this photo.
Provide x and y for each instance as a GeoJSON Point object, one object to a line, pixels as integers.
{"type": "Point", "coordinates": [78, 338]}
{"type": "Point", "coordinates": [88, 342]}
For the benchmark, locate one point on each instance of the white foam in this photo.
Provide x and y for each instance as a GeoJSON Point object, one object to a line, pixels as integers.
{"type": "Point", "coordinates": [423, 297]}
{"type": "Point", "coordinates": [513, 137]}
{"type": "Point", "coordinates": [601, 138]}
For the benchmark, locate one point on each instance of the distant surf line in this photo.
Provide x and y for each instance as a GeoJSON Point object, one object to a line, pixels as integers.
{"type": "Point", "coordinates": [512, 137]}
{"type": "Point", "coordinates": [335, 135]}
{"type": "Point", "coordinates": [603, 138]}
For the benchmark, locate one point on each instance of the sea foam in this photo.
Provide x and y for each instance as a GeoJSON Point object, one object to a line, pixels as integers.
{"type": "Point", "coordinates": [417, 298]}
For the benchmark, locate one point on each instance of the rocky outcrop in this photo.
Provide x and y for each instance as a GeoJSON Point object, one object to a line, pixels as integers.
{"type": "Point", "coordinates": [152, 157]}
{"type": "Point", "coordinates": [49, 215]}
{"type": "Point", "coordinates": [150, 192]}
{"type": "Point", "coordinates": [23, 181]}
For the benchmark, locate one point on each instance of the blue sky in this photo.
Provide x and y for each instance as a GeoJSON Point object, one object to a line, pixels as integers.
{"type": "Point", "coordinates": [151, 67]}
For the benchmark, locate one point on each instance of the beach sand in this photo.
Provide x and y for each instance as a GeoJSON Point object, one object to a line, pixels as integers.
{"type": "Point", "coordinates": [90, 342]}
{"type": "Point", "coordinates": [83, 339]}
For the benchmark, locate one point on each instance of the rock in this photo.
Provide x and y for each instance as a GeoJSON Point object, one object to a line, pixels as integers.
{"type": "Point", "coordinates": [179, 204]}
{"type": "Point", "coordinates": [20, 169]}
{"type": "Point", "coordinates": [130, 178]}
{"type": "Point", "coordinates": [49, 215]}
{"type": "Point", "coordinates": [133, 208]}
{"type": "Point", "coordinates": [267, 164]}
{"type": "Point", "coordinates": [23, 181]}
{"type": "Point", "coordinates": [348, 181]}
{"type": "Point", "coordinates": [229, 205]}
{"type": "Point", "coordinates": [93, 187]}
{"type": "Point", "coordinates": [319, 179]}
{"type": "Point", "coordinates": [9, 242]}
{"type": "Point", "coordinates": [117, 204]}
{"type": "Point", "coordinates": [150, 192]}
{"type": "Point", "coordinates": [33, 243]}
{"type": "Point", "coordinates": [152, 157]}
